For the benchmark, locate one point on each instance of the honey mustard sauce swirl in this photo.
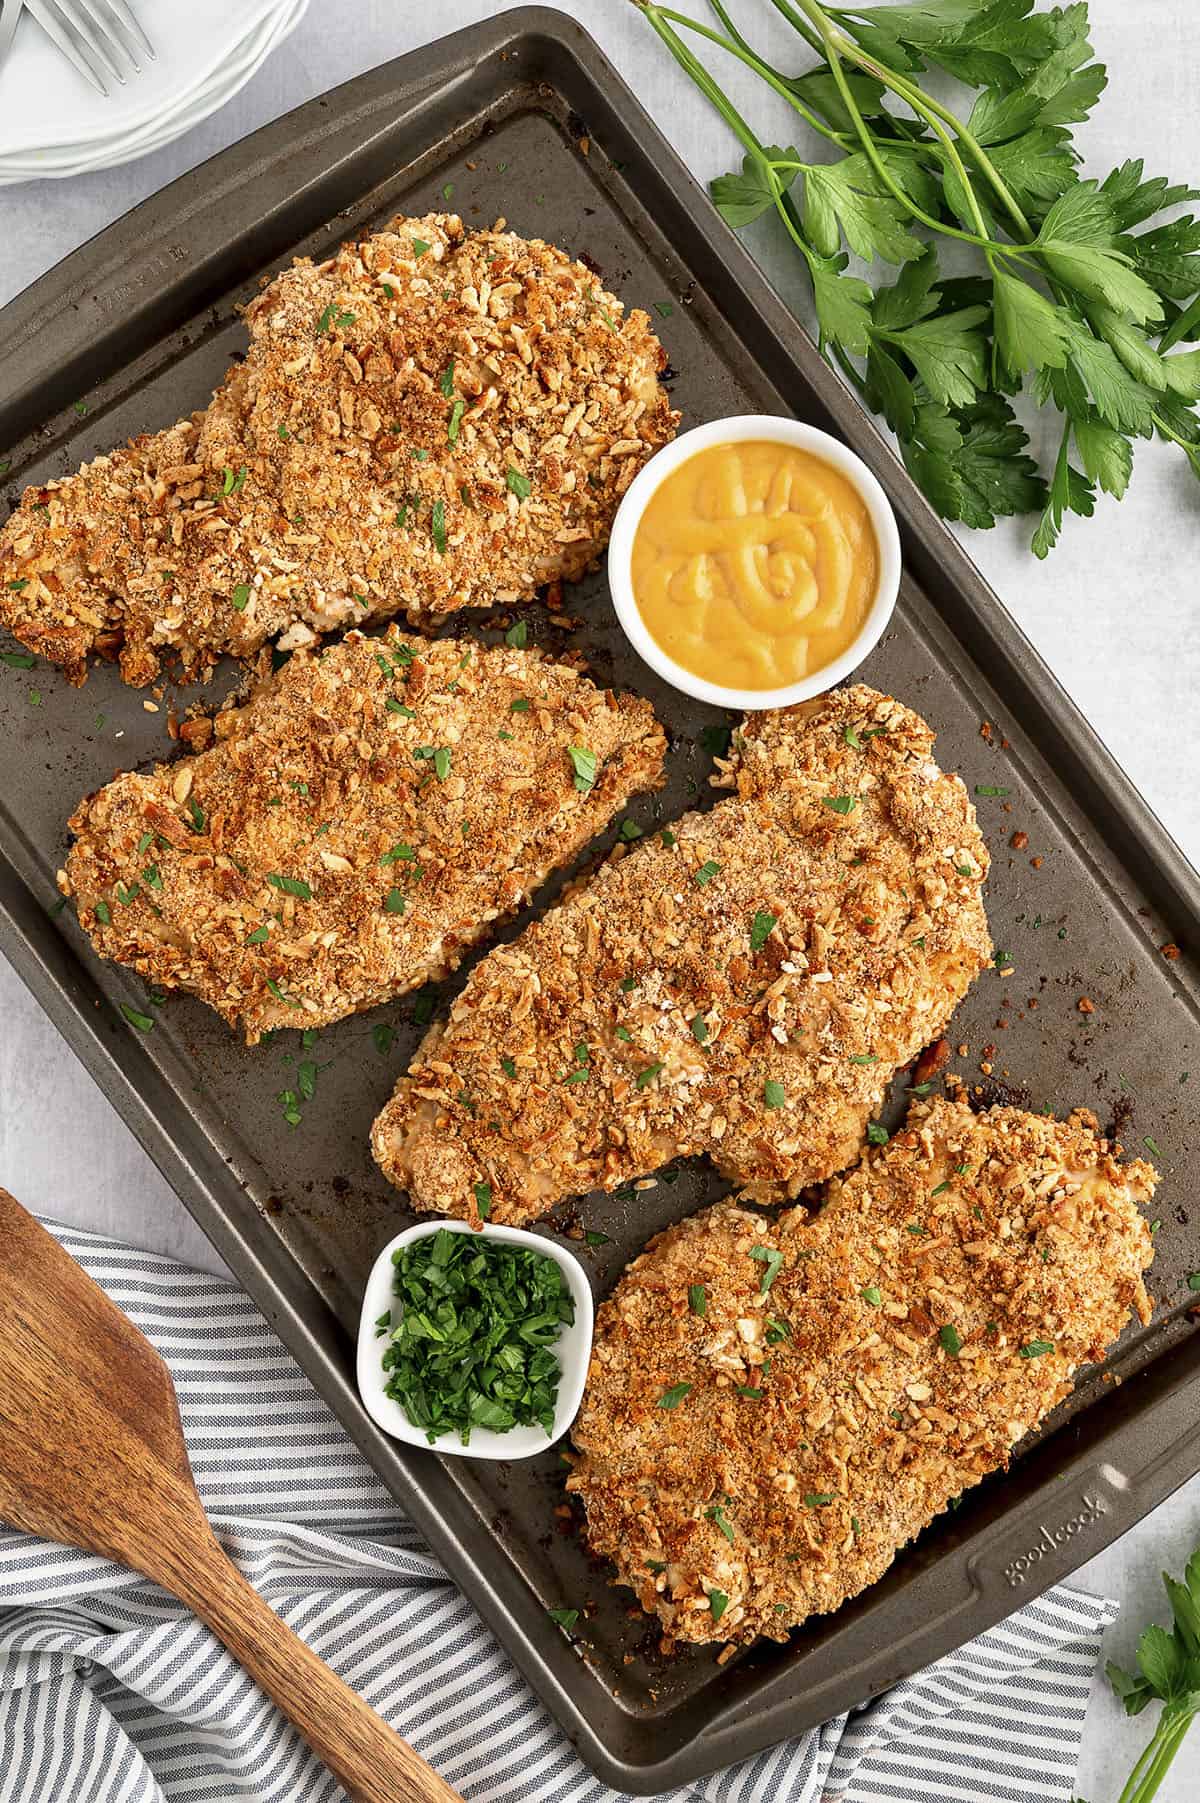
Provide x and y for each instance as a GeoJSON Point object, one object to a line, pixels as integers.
{"type": "Point", "coordinates": [754, 564]}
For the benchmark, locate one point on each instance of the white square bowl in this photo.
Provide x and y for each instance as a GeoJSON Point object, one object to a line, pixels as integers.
{"type": "Point", "coordinates": [573, 1347]}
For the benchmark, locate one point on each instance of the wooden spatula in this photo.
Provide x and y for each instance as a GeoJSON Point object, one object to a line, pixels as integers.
{"type": "Point", "coordinates": [92, 1454]}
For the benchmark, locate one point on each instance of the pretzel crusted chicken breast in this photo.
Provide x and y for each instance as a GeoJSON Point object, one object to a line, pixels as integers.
{"type": "Point", "coordinates": [744, 984]}
{"type": "Point", "coordinates": [774, 1408]}
{"type": "Point", "coordinates": [359, 824]}
{"type": "Point", "coordinates": [432, 419]}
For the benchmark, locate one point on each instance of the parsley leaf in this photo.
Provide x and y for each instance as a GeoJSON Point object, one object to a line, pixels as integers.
{"type": "Point", "coordinates": [772, 1260]}
{"type": "Point", "coordinates": [1069, 492]}
{"type": "Point", "coordinates": [1031, 332]}
{"type": "Point", "coordinates": [761, 928]}
{"type": "Point", "coordinates": [584, 763]}
{"type": "Point", "coordinates": [1105, 453]}
{"type": "Point", "coordinates": [742, 198]}
{"type": "Point", "coordinates": [716, 1514]}
{"type": "Point", "coordinates": [291, 885]}
{"type": "Point", "coordinates": [948, 352]}
{"type": "Point", "coordinates": [994, 476]}
{"type": "Point", "coordinates": [438, 755]}
{"type": "Point", "coordinates": [1077, 243]}
{"type": "Point", "coordinates": [848, 199]}
{"type": "Point", "coordinates": [843, 306]}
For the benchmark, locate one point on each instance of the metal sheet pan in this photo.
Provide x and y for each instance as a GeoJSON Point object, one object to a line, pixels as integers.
{"type": "Point", "coordinates": [523, 117]}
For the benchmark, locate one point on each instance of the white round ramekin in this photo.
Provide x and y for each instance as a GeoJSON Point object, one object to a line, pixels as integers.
{"type": "Point", "coordinates": [760, 426]}
{"type": "Point", "coordinates": [574, 1349]}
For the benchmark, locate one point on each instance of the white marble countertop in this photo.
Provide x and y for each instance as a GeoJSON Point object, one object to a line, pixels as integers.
{"type": "Point", "coordinates": [1113, 611]}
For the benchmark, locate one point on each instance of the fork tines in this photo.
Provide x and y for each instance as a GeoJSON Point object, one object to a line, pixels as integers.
{"type": "Point", "coordinates": [100, 38]}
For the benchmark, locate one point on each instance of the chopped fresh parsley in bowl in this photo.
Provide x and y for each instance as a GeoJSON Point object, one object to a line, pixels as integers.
{"type": "Point", "coordinates": [474, 1343]}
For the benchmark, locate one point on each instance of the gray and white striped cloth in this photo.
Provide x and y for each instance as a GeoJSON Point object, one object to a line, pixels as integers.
{"type": "Point", "coordinates": [110, 1693]}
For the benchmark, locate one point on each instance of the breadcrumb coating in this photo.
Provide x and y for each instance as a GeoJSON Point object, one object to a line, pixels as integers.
{"type": "Point", "coordinates": [775, 1408]}
{"type": "Point", "coordinates": [432, 419]}
{"type": "Point", "coordinates": [360, 823]}
{"type": "Point", "coordinates": [744, 984]}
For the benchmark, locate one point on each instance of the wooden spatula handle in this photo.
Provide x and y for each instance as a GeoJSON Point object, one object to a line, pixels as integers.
{"type": "Point", "coordinates": [364, 1754]}
{"type": "Point", "coordinates": [92, 1454]}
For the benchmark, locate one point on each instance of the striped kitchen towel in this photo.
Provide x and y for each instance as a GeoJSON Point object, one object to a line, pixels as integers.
{"type": "Point", "coordinates": [110, 1693]}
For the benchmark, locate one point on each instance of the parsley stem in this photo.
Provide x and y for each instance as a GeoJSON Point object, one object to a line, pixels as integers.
{"type": "Point", "coordinates": [752, 61]}
{"type": "Point", "coordinates": [658, 17]}
{"type": "Point", "coordinates": [931, 110]}
{"type": "Point", "coordinates": [1150, 1770]}
{"type": "Point", "coordinates": [798, 24]}
{"type": "Point", "coordinates": [1161, 426]}
{"type": "Point", "coordinates": [986, 168]}
{"type": "Point", "coordinates": [663, 17]}
{"type": "Point", "coordinates": [1129, 1794]}
{"type": "Point", "coordinates": [691, 65]}
{"type": "Point", "coordinates": [833, 43]}
{"type": "Point", "coordinates": [917, 98]}
{"type": "Point", "coordinates": [1064, 449]}
{"type": "Point", "coordinates": [716, 6]}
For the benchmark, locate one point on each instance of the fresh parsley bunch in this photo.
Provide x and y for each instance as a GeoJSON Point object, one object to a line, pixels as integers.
{"type": "Point", "coordinates": [1078, 293]}
{"type": "Point", "coordinates": [1170, 1672]}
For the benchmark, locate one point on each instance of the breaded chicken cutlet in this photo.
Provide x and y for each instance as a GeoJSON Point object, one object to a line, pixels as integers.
{"type": "Point", "coordinates": [432, 419]}
{"type": "Point", "coordinates": [774, 1408]}
{"type": "Point", "coordinates": [359, 824]}
{"type": "Point", "coordinates": [744, 984]}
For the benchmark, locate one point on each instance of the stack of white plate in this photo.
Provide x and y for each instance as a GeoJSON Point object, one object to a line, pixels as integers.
{"type": "Point", "coordinates": [52, 123]}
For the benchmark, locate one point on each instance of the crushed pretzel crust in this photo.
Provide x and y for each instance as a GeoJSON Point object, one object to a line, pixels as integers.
{"type": "Point", "coordinates": [887, 1355]}
{"type": "Point", "coordinates": [743, 984]}
{"type": "Point", "coordinates": [359, 824]}
{"type": "Point", "coordinates": [432, 419]}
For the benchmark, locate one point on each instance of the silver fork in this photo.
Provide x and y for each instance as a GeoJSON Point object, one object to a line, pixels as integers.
{"type": "Point", "coordinates": [98, 37]}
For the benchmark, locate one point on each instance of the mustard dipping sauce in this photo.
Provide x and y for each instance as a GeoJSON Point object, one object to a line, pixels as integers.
{"type": "Point", "coordinates": [754, 564]}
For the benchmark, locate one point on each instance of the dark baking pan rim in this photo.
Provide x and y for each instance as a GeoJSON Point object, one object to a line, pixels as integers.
{"type": "Point", "coordinates": [1080, 1489]}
